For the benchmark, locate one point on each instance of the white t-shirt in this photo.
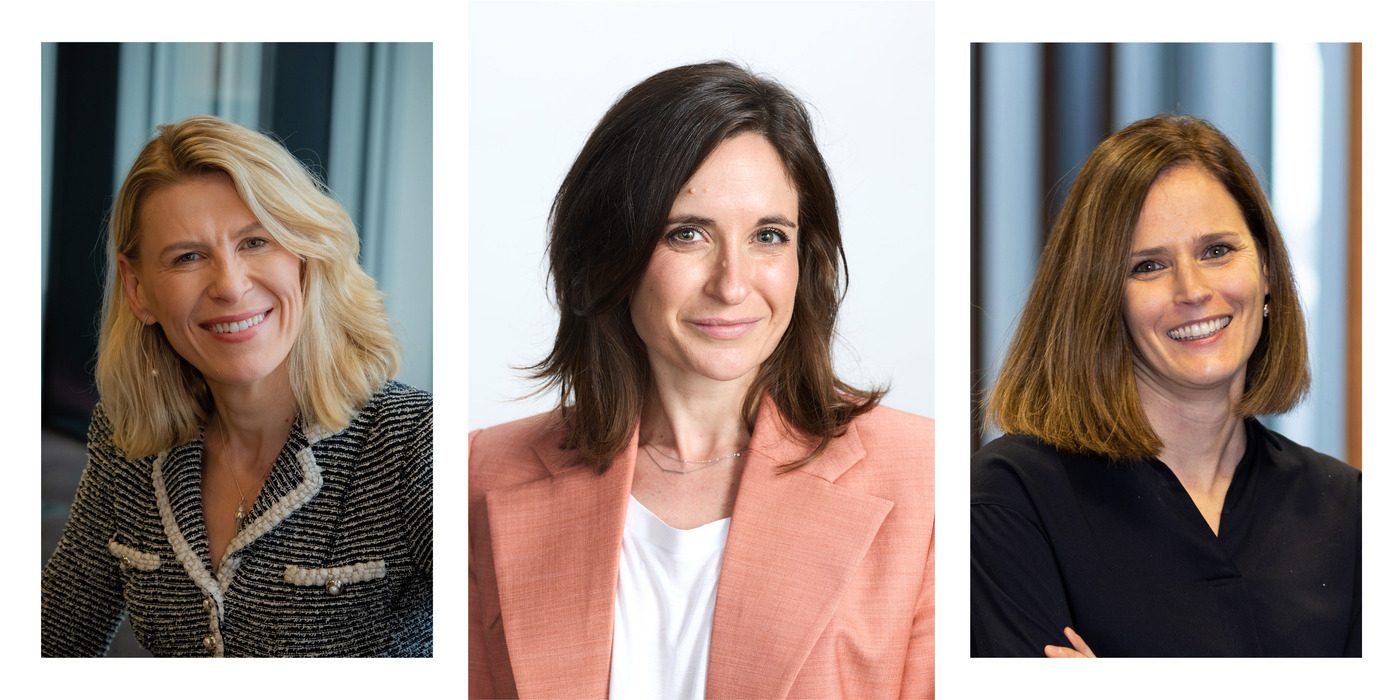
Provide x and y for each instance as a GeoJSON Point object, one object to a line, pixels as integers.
{"type": "Point", "coordinates": [666, 581]}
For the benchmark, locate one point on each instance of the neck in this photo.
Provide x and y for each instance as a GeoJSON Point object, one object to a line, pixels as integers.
{"type": "Point", "coordinates": [254, 419]}
{"type": "Point", "coordinates": [1202, 439]}
{"type": "Point", "coordinates": [697, 422]}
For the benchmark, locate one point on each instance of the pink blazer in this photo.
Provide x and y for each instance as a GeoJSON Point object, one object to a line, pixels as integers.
{"type": "Point", "coordinates": [825, 588]}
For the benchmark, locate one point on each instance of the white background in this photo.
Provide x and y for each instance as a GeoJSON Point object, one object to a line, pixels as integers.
{"type": "Point", "coordinates": [540, 77]}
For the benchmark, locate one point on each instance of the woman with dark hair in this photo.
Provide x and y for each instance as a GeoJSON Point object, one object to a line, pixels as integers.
{"type": "Point", "coordinates": [1136, 507]}
{"type": "Point", "coordinates": [709, 511]}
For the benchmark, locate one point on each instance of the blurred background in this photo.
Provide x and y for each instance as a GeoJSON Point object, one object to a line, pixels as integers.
{"type": "Point", "coordinates": [1038, 110]}
{"type": "Point", "coordinates": [358, 115]}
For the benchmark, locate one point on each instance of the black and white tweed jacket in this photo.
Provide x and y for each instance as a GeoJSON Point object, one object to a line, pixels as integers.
{"type": "Point", "coordinates": [336, 559]}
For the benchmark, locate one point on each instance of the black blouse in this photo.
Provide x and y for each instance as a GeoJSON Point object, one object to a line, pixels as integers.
{"type": "Point", "coordinates": [1118, 551]}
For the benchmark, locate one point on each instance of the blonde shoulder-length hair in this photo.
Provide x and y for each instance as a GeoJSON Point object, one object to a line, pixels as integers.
{"type": "Point", "coordinates": [345, 351]}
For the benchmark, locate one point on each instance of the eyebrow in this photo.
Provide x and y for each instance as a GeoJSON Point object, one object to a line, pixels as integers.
{"type": "Point", "coordinates": [1203, 239]}
{"type": "Point", "coordinates": [187, 245]}
{"type": "Point", "coordinates": [771, 219]}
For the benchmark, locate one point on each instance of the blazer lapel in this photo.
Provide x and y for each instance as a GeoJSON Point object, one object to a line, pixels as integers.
{"type": "Point", "coordinates": [794, 541]}
{"type": "Point", "coordinates": [556, 543]}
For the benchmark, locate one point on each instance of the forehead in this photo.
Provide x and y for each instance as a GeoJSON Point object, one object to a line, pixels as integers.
{"type": "Point", "coordinates": [201, 203]}
{"type": "Point", "coordinates": [744, 172]}
{"type": "Point", "coordinates": [1184, 203]}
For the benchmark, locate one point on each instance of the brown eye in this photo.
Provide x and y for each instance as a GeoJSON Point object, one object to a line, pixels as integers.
{"type": "Point", "coordinates": [684, 235]}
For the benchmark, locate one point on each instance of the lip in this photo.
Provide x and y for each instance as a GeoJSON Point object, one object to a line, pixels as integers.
{"type": "Point", "coordinates": [725, 328]}
{"type": "Point", "coordinates": [239, 336]}
{"type": "Point", "coordinates": [1222, 320]}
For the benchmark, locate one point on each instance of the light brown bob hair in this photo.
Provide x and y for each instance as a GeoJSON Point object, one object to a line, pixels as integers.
{"type": "Point", "coordinates": [1068, 375]}
{"type": "Point", "coordinates": [345, 351]}
{"type": "Point", "coordinates": [608, 216]}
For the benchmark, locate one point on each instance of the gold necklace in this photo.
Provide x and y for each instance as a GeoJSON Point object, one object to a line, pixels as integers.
{"type": "Point", "coordinates": [242, 512]}
{"type": "Point", "coordinates": [652, 451]}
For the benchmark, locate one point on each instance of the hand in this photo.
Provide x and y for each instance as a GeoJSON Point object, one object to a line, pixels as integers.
{"type": "Point", "coordinates": [1081, 648]}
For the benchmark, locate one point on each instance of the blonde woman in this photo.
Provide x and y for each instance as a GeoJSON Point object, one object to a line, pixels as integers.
{"type": "Point", "coordinates": [256, 485]}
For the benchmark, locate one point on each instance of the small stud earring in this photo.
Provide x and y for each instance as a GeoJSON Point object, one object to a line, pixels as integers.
{"type": "Point", "coordinates": [1266, 309]}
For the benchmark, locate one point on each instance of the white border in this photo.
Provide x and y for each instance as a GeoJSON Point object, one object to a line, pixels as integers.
{"type": "Point", "coordinates": [444, 24]}
{"type": "Point", "coordinates": [956, 26]}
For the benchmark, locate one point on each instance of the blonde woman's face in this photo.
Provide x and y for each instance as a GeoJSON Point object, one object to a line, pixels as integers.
{"type": "Point", "coordinates": [1194, 299]}
{"type": "Point", "coordinates": [227, 297]}
{"type": "Point", "coordinates": [718, 293]}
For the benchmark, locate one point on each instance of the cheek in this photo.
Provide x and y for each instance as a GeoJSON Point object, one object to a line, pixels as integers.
{"type": "Point", "coordinates": [1138, 311]}
{"type": "Point", "coordinates": [780, 283]}
{"type": "Point", "coordinates": [647, 303]}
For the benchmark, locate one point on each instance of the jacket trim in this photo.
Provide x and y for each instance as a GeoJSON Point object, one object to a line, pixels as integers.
{"type": "Point", "coordinates": [185, 554]}
{"type": "Point", "coordinates": [132, 557]}
{"type": "Point", "coordinates": [354, 573]}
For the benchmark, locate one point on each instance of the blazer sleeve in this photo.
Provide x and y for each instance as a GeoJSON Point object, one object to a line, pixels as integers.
{"type": "Point", "coordinates": [418, 494]}
{"type": "Point", "coordinates": [918, 662]}
{"type": "Point", "coordinates": [82, 595]}
{"type": "Point", "coordinates": [1019, 604]}
{"type": "Point", "coordinates": [484, 678]}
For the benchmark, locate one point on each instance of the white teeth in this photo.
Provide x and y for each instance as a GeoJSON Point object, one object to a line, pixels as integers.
{"type": "Point", "coordinates": [1202, 329]}
{"type": "Point", "coordinates": [243, 325]}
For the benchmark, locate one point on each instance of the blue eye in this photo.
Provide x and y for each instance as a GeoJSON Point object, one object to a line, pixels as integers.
{"type": "Point", "coordinates": [183, 258]}
{"type": "Point", "coordinates": [1217, 250]}
{"type": "Point", "coordinates": [1148, 266]}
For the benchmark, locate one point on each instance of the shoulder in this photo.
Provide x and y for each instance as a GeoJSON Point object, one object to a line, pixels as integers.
{"type": "Point", "coordinates": [397, 403]}
{"type": "Point", "coordinates": [890, 428]}
{"type": "Point", "coordinates": [1283, 457]}
{"type": "Point", "coordinates": [392, 430]}
{"type": "Point", "coordinates": [510, 452]}
{"type": "Point", "coordinates": [1017, 452]}
{"type": "Point", "coordinates": [896, 457]}
{"type": "Point", "coordinates": [101, 450]}
{"type": "Point", "coordinates": [1008, 469]}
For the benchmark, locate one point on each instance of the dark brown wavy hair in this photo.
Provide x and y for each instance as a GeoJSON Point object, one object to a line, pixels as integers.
{"type": "Point", "coordinates": [607, 218]}
{"type": "Point", "coordinates": [1068, 375]}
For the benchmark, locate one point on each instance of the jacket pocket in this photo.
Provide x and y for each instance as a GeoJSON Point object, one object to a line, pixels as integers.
{"type": "Point", "coordinates": [335, 579]}
{"type": "Point", "coordinates": [132, 558]}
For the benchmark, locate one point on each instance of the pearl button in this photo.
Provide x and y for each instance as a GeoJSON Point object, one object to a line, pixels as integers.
{"type": "Point", "coordinates": [209, 642]}
{"type": "Point", "coordinates": [207, 605]}
{"type": "Point", "coordinates": [333, 587]}
{"type": "Point", "coordinates": [126, 561]}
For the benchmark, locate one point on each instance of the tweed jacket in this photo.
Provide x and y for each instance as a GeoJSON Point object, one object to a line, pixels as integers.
{"type": "Point", "coordinates": [825, 586]}
{"type": "Point", "coordinates": [335, 560]}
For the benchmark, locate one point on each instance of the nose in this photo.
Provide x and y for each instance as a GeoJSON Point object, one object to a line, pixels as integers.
{"type": "Point", "coordinates": [230, 279]}
{"type": "Point", "coordinates": [1191, 286]}
{"type": "Point", "coordinates": [730, 278]}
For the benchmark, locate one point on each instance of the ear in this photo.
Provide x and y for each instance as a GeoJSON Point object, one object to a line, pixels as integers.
{"type": "Point", "coordinates": [131, 286]}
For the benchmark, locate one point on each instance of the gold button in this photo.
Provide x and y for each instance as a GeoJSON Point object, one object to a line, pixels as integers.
{"type": "Point", "coordinates": [207, 605]}
{"type": "Point", "coordinates": [126, 561]}
{"type": "Point", "coordinates": [209, 642]}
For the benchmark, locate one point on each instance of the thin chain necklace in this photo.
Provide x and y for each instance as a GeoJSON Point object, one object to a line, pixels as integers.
{"type": "Point", "coordinates": [242, 512]}
{"type": "Point", "coordinates": [652, 451]}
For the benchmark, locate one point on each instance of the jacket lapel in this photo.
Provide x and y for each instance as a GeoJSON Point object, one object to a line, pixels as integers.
{"type": "Point", "coordinates": [794, 541]}
{"type": "Point", "coordinates": [556, 543]}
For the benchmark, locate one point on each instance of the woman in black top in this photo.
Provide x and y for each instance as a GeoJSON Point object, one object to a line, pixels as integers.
{"type": "Point", "coordinates": [1135, 507]}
